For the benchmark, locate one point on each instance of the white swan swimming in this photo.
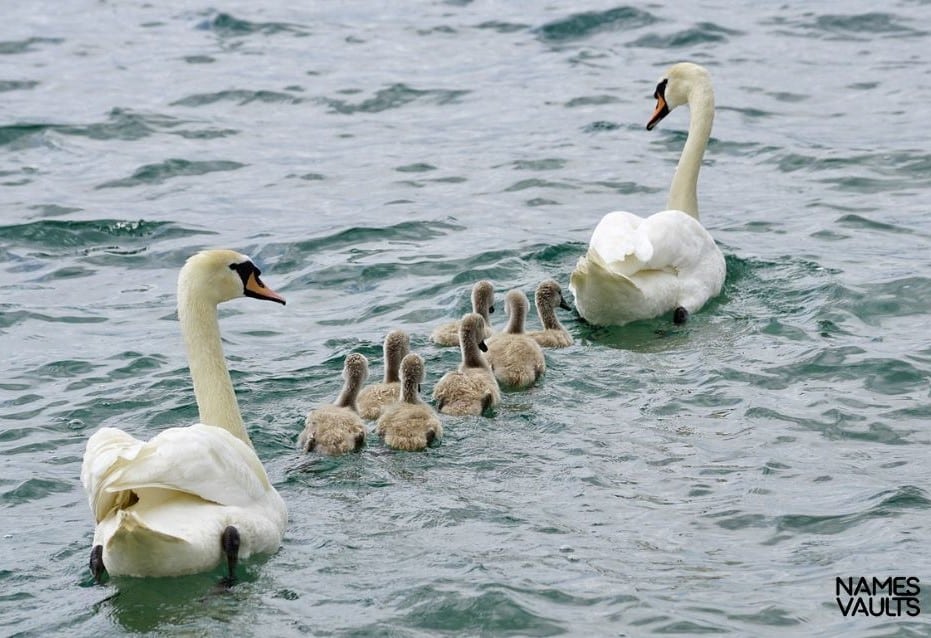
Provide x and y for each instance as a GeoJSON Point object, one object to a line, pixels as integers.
{"type": "Point", "coordinates": [190, 497]}
{"type": "Point", "coordinates": [639, 268]}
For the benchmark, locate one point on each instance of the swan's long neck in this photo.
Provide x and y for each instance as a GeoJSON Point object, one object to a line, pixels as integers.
{"type": "Point", "coordinates": [213, 387]}
{"type": "Point", "coordinates": [683, 193]}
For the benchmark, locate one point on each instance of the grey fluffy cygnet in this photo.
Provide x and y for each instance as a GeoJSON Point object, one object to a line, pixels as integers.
{"type": "Point", "coordinates": [337, 428]}
{"type": "Point", "coordinates": [409, 424]}
{"type": "Point", "coordinates": [483, 303]}
{"type": "Point", "coordinates": [472, 388]}
{"type": "Point", "coordinates": [548, 298]}
{"type": "Point", "coordinates": [516, 359]}
{"type": "Point", "coordinates": [374, 397]}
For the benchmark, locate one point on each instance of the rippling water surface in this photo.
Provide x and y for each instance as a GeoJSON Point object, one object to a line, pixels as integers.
{"type": "Point", "coordinates": [375, 161]}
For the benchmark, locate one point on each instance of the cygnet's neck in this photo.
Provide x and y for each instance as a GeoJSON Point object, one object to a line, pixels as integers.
{"type": "Point", "coordinates": [471, 354]}
{"type": "Point", "coordinates": [547, 314]}
{"type": "Point", "coordinates": [349, 394]}
{"type": "Point", "coordinates": [410, 391]}
{"type": "Point", "coordinates": [517, 309]}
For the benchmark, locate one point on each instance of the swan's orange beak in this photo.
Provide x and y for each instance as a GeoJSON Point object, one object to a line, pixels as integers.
{"type": "Point", "coordinates": [258, 290]}
{"type": "Point", "coordinates": [661, 111]}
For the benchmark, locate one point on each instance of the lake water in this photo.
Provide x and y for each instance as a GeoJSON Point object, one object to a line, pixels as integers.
{"type": "Point", "coordinates": [376, 160]}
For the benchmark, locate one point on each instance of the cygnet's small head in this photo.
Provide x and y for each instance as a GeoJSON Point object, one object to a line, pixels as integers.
{"type": "Point", "coordinates": [412, 370]}
{"type": "Point", "coordinates": [216, 276]}
{"type": "Point", "coordinates": [549, 295]}
{"type": "Point", "coordinates": [472, 331]}
{"type": "Point", "coordinates": [675, 87]}
{"type": "Point", "coordinates": [483, 297]}
{"type": "Point", "coordinates": [397, 344]}
{"type": "Point", "coordinates": [517, 305]}
{"type": "Point", "coordinates": [355, 369]}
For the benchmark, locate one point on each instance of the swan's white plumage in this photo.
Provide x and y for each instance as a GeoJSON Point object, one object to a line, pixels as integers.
{"type": "Point", "coordinates": [641, 267]}
{"type": "Point", "coordinates": [637, 268]}
{"type": "Point", "coordinates": [190, 483]}
{"type": "Point", "coordinates": [161, 505]}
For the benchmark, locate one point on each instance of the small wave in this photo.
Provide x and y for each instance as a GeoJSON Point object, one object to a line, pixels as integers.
{"type": "Point", "coordinates": [410, 231]}
{"type": "Point", "coordinates": [33, 489]}
{"type": "Point", "coordinates": [13, 47]}
{"type": "Point", "coordinates": [418, 167]}
{"type": "Point", "coordinates": [547, 164]}
{"type": "Point", "coordinates": [503, 27]}
{"type": "Point", "coordinates": [591, 100]}
{"type": "Point", "coordinates": [524, 184]}
{"type": "Point", "coordinates": [392, 97]}
{"type": "Point", "coordinates": [163, 171]}
{"type": "Point", "coordinates": [853, 27]}
{"type": "Point", "coordinates": [17, 134]}
{"type": "Point", "coordinates": [869, 23]}
{"type": "Point", "coordinates": [702, 33]}
{"type": "Point", "coordinates": [239, 96]}
{"type": "Point", "coordinates": [583, 25]}
{"type": "Point", "coordinates": [891, 504]}
{"type": "Point", "coordinates": [494, 611]}
{"type": "Point", "coordinates": [58, 233]}
{"type": "Point", "coordinates": [229, 26]}
{"type": "Point", "coordinates": [17, 85]}
{"type": "Point", "coordinates": [600, 126]}
{"type": "Point", "coordinates": [123, 124]}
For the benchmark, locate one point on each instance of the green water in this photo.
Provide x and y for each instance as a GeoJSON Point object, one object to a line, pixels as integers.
{"type": "Point", "coordinates": [375, 161]}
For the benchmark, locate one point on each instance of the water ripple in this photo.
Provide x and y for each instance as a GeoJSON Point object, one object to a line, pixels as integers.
{"type": "Point", "coordinates": [240, 96]}
{"type": "Point", "coordinates": [169, 169]}
{"type": "Point", "coordinates": [17, 85]}
{"type": "Point", "coordinates": [13, 47]}
{"type": "Point", "coordinates": [229, 26]}
{"type": "Point", "coordinates": [579, 26]}
{"type": "Point", "coordinates": [701, 33]}
{"type": "Point", "coordinates": [393, 97]}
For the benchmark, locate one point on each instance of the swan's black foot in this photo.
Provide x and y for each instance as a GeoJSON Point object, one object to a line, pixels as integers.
{"type": "Point", "coordinates": [96, 563]}
{"type": "Point", "coordinates": [680, 315]}
{"type": "Point", "coordinates": [229, 540]}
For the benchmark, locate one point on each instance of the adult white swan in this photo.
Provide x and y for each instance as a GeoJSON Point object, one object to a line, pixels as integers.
{"type": "Point", "coordinates": [190, 497]}
{"type": "Point", "coordinates": [638, 268]}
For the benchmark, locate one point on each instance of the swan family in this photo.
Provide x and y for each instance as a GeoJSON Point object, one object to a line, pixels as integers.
{"type": "Point", "coordinates": [192, 499]}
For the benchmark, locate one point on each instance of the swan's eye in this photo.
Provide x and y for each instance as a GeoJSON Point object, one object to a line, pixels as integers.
{"type": "Point", "coordinates": [245, 269]}
{"type": "Point", "coordinates": [660, 91]}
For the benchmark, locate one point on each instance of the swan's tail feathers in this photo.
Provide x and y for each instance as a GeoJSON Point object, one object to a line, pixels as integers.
{"type": "Point", "coordinates": [619, 243]}
{"type": "Point", "coordinates": [604, 297]}
{"type": "Point", "coordinates": [200, 460]}
{"type": "Point", "coordinates": [132, 528]}
{"type": "Point", "coordinates": [108, 450]}
{"type": "Point", "coordinates": [134, 546]}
